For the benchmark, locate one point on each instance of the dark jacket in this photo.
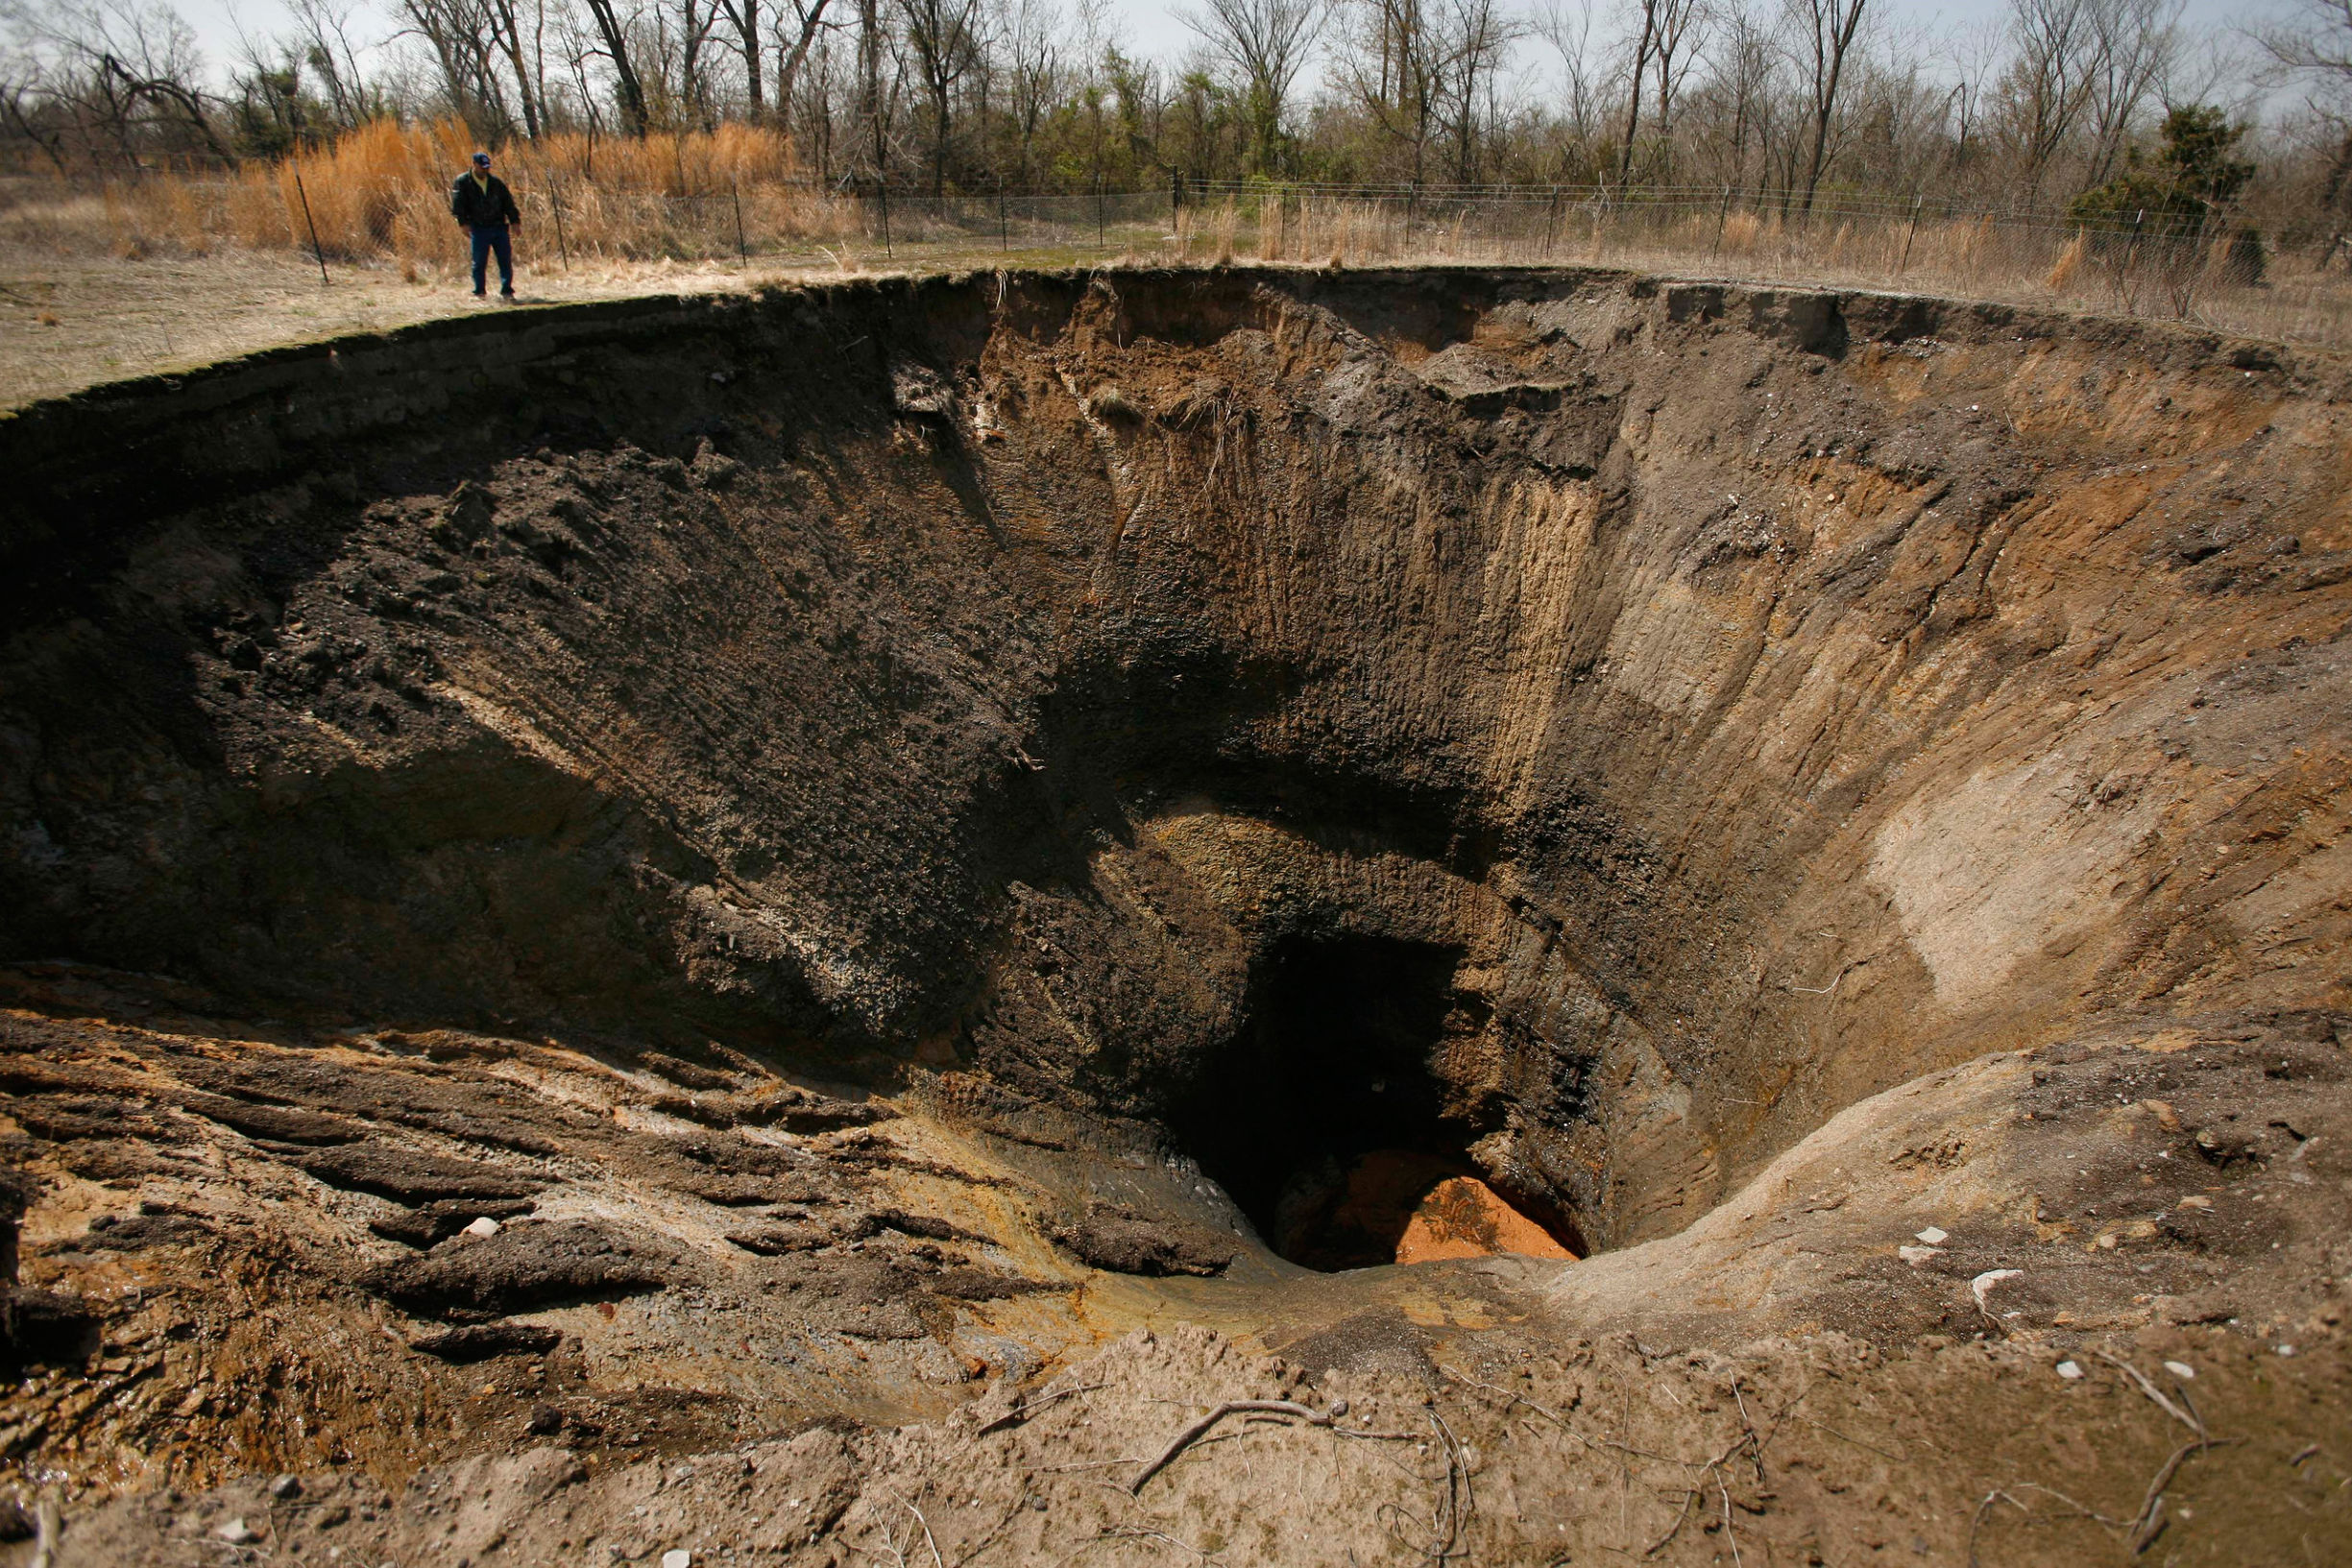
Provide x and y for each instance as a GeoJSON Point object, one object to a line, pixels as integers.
{"type": "Point", "coordinates": [479, 208]}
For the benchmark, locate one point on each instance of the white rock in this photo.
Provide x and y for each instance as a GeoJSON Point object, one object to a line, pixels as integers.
{"type": "Point", "coordinates": [484, 1226]}
{"type": "Point", "coordinates": [677, 1556]}
{"type": "Point", "coordinates": [235, 1533]}
{"type": "Point", "coordinates": [2181, 1371]}
{"type": "Point", "coordinates": [1917, 1255]}
{"type": "Point", "coordinates": [1934, 1237]}
{"type": "Point", "coordinates": [2069, 1371]}
{"type": "Point", "coordinates": [1982, 1285]}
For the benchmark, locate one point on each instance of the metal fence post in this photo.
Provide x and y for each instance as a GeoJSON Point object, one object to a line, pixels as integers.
{"type": "Point", "coordinates": [884, 183]}
{"type": "Point", "coordinates": [555, 200]}
{"type": "Point", "coordinates": [741, 252]}
{"type": "Point", "coordinates": [308, 221]}
{"type": "Point", "coordinates": [1723, 215]}
{"type": "Point", "coordinates": [1904, 265]}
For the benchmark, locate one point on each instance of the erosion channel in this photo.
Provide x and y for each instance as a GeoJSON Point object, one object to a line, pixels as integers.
{"type": "Point", "coordinates": [1690, 923]}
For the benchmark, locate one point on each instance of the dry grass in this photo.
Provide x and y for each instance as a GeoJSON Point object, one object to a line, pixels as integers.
{"type": "Point", "coordinates": [378, 197]}
{"type": "Point", "coordinates": [382, 193]}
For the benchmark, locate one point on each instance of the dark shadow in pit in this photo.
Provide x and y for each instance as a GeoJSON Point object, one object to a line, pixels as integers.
{"type": "Point", "coordinates": [1327, 1119]}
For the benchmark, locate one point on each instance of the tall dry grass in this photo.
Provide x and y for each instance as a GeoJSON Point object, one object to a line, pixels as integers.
{"type": "Point", "coordinates": [381, 193]}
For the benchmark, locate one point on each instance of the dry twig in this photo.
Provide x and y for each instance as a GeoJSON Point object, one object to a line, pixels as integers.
{"type": "Point", "coordinates": [1232, 1406]}
{"type": "Point", "coordinates": [2150, 1389]}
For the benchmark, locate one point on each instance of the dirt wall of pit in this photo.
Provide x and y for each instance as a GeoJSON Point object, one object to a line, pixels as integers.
{"type": "Point", "coordinates": [1738, 700]}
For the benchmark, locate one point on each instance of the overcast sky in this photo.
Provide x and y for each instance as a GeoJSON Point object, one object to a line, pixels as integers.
{"type": "Point", "coordinates": [1145, 27]}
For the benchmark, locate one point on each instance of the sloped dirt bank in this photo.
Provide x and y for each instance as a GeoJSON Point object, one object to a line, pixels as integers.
{"type": "Point", "coordinates": [656, 873]}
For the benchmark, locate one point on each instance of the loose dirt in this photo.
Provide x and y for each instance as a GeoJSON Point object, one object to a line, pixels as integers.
{"type": "Point", "coordinates": [807, 925]}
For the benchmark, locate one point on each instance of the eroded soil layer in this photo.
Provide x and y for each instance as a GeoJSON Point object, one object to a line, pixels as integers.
{"type": "Point", "coordinates": [628, 908]}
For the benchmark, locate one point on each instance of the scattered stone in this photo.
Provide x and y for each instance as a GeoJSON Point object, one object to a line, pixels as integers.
{"type": "Point", "coordinates": [482, 1341]}
{"type": "Point", "coordinates": [439, 1221]}
{"type": "Point", "coordinates": [1934, 1237]}
{"type": "Point", "coordinates": [285, 1489]}
{"type": "Point", "coordinates": [677, 1557]}
{"type": "Point", "coordinates": [482, 1226]}
{"type": "Point", "coordinates": [2069, 1371]}
{"type": "Point", "coordinates": [2181, 1371]}
{"type": "Point", "coordinates": [1917, 1255]}
{"type": "Point", "coordinates": [236, 1532]}
{"type": "Point", "coordinates": [1982, 1285]}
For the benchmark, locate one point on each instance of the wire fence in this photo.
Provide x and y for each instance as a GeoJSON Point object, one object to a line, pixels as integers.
{"type": "Point", "coordinates": [2142, 264]}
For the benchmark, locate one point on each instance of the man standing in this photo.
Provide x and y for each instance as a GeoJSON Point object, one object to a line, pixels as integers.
{"type": "Point", "coordinates": [485, 208]}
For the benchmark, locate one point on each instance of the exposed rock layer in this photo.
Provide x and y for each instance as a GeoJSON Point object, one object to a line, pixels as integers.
{"type": "Point", "coordinates": [1711, 706]}
{"type": "Point", "coordinates": [1602, 733]}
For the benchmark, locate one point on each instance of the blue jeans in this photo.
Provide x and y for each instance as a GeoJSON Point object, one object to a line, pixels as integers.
{"type": "Point", "coordinates": [487, 239]}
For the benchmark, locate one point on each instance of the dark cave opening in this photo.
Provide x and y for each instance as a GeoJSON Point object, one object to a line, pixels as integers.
{"type": "Point", "coordinates": [1330, 1120]}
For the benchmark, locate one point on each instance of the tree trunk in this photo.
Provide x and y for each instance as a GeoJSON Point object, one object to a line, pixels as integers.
{"type": "Point", "coordinates": [630, 90]}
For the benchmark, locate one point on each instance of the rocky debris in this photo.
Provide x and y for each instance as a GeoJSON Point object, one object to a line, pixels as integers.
{"type": "Point", "coordinates": [793, 1110]}
{"type": "Point", "coordinates": [471, 1279]}
{"type": "Point", "coordinates": [407, 1175]}
{"type": "Point", "coordinates": [776, 1241]}
{"type": "Point", "coordinates": [277, 1123]}
{"type": "Point", "coordinates": [444, 1217]}
{"type": "Point", "coordinates": [482, 1341]}
{"type": "Point", "coordinates": [152, 1224]}
{"type": "Point", "coordinates": [687, 1075]}
{"type": "Point", "coordinates": [1124, 1242]}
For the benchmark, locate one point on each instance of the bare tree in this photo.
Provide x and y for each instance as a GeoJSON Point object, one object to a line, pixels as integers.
{"type": "Point", "coordinates": [944, 37]}
{"type": "Point", "coordinates": [1389, 61]}
{"type": "Point", "coordinates": [1473, 38]}
{"type": "Point", "coordinates": [628, 90]}
{"type": "Point", "coordinates": [792, 45]}
{"type": "Point", "coordinates": [324, 30]}
{"type": "Point", "coordinates": [124, 70]}
{"type": "Point", "coordinates": [1265, 43]}
{"type": "Point", "coordinates": [1824, 31]}
{"type": "Point", "coordinates": [1681, 34]}
{"type": "Point", "coordinates": [1569, 33]}
{"type": "Point", "coordinates": [2316, 45]}
{"type": "Point", "coordinates": [1645, 44]}
{"type": "Point", "coordinates": [2138, 41]}
{"type": "Point", "coordinates": [1032, 37]}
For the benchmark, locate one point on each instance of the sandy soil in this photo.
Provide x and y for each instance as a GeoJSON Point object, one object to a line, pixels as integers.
{"type": "Point", "coordinates": [72, 322]}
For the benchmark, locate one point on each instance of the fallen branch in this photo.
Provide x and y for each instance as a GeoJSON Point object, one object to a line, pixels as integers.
{"type": "Point", "coordinates": [1029, 1407]}
{"type": "Point", "coordinates": [1232, 1406]}
{"type": "Point", "coordinates": [45, 1532]}
{"type": "Point", "coordinates": [2148, 1524]}
{"type": "Point", "coordinates": [1689, 1494]}
{"type": "Point", "coordinates": [1977, 1520]}
{"type": "Point", "coordinates": [2150, 1389]}
{"type": "Point", "coordinates": [937, 1561]}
